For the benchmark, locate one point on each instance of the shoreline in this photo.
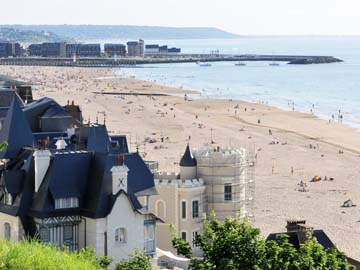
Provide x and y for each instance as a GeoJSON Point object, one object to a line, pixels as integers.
{"type": "Point", "coordinates": [298, 140]}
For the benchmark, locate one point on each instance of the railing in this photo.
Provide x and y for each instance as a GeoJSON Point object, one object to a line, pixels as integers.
{"type": "Point", "coordinates": [149, 247]}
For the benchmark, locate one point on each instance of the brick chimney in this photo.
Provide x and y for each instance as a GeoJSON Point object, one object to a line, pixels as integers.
{"type": "Point", "coordinates": [42, 162]}
{"type": "Point", "coordinates": [119, 175]}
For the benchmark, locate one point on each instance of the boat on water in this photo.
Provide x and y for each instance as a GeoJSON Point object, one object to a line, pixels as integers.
{"type": "Point", "coordinates": [203, 64]}
{"type": "Point", "coordinates": [240, 64]}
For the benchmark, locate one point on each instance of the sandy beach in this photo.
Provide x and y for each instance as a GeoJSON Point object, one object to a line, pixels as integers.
{"type": "Point", "coordinates": [299, 146]}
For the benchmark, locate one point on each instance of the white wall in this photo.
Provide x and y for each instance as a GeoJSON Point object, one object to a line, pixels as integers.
{"type": "Point", "coordinates": [123, 216]}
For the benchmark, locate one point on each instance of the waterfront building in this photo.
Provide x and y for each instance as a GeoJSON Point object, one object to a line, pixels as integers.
{"type": "Point", "coordinates": [174, 51]}
{"type": "Point", "coordinates": [10, 49]}
{"type": "Point", "coordinates": [35, 50]}
{"type": "Point", "coordinates": [154, 50]}
{"type": "Point", "coordinates": [219, 180]}
{"type": "Point", "coordinates": [72, 184]}
{"type": "Point", "coordinates": [163, 49]}
{"type": "Point", "coordinates": [115, 50]}
{"type": "Point", "coordinates": [83, 50]}
{"type": "Point", "coordinates": [151, 50]}
{"type": "Point", "coordinates": [135, 48]}
{"type": "Point", "coordinates": [53, 49]}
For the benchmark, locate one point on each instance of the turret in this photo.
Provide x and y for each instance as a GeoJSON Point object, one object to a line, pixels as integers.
{"type": "Point", "coordinates": [188, 165]}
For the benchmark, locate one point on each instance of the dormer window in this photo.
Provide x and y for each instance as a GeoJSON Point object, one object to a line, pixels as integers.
{"type": "Point", "coordinates": [71, 202]}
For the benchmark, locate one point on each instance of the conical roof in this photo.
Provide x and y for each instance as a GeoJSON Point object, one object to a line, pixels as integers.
{"type": "Point", "coordinates": [188, 159]}
{"type": "Point", "coordinates": [16, 131]}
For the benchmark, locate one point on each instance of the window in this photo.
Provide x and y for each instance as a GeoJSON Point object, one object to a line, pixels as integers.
{"type": "Point", "coordinates": [195, 209]}
{"type": "Point", "coordinates": [7, 231]}
{"type": "Point", "coordinates": [194, 235]}
{"type": "Point", "coordinates": [228, 192]}
{"type": "Point", "coordinates": [160, 209]}
{"type": "Point", "coordinates": [183, 209]}
{"type": "Point", "coordinates": [183, 236]}
{"type": "Point", "coordinates": [120, 235]}
{"type": "Point", "coordinates": [71, 202]}
{"type": "Point", "coordinates": [68, 233]}
{"type": "Point", "coordinates": [44, 234]}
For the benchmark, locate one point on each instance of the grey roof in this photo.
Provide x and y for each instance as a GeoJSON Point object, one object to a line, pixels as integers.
{"type": "Point", "coordinates": [188, 159]}
{"type": "Point", "coordinates": [16, 131]}
{"type": "Point", "coordinates": [294, 238]}
{"type": "Point", "coordinates": [82, 170]}
{"type": "Point", "coordinates": [7, 96]}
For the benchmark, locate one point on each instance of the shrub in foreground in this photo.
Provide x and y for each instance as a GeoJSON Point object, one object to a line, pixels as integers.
{"type": "Point", "coordinates": [28, 255]}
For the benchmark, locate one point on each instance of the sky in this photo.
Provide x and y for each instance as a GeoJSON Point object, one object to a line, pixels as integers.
{"type": "Point", "coordinates": [247, 17]}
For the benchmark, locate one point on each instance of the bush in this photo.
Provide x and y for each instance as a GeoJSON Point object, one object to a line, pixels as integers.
{"type": "Point", "coordinates": [35, 255]}
{"type": "Point", "coordinates": [137, 261]}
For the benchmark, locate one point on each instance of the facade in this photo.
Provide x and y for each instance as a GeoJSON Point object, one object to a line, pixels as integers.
{"type": "Point", "coordinates": [113, 50]}
{"type": "Point", "coordinates": [154, 50]}
{"type": "Point", "coordinates": [35, 50]}
{"type": "Point", "coordinates": [71, 184]}
{"type": "Point", "coordinates": [9, 49]}
{"type": "Point", "coordinates": [174, 51]}
{"type": "Point", "coordinates": [53, 49]}
{"type": "Point", "coordinates": [220, 180]}
{"type": "Point", "coordinates": [135, 48]}
{"type": "Point", "coordinates": [83, 50]}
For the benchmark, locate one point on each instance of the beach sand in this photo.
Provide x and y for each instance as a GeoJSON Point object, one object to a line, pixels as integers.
{"type": "Point", "coordinates": [173, 118]}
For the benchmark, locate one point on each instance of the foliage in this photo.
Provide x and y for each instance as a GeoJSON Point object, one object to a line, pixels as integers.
{"type": "Point", "coordinates": [3, 146]}
{"type": "Point", "coordinates": [137, 261]}
{"type": "Point", "coordinates": [35, 255]}
{"type": "Point", "coordinates": [235, 244]}
{"type": "Point", "coordinates": [11, 34]}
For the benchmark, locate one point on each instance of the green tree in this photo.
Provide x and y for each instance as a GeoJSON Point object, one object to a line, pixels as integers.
{"type": "Point", "coordinates": [137, 261]}
{"type": "Point", "coordinates": [232, 244]}
{"type": "Point", "coordinates": [235, 244]}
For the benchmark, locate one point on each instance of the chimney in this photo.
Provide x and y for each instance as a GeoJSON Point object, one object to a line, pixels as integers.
{"type": "Point", "coordinates": [42, 162]}
{"type": "Point", "coordinates": [61, 144]}
{"type": "Point", "coordinates": [119, 175]}
{"type": "Point", "coordinates": [293, 225]}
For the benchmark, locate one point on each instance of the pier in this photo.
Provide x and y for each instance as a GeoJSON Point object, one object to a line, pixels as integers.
{"type": "Point", "coordinates": [183, 58]}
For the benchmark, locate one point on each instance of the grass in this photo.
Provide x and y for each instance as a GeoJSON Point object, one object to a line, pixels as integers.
{"type": "Point", "coordinates": [34, 255]}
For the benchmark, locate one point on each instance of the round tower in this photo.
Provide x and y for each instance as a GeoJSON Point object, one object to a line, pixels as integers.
{"type": "Point", "coordinates": [188, 165]}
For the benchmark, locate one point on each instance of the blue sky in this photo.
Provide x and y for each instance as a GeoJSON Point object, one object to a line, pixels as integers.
{"type": "Point", "coordinates": [256, 17]}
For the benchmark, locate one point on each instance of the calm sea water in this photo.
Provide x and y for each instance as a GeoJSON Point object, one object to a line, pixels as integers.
{"type": "Point", "coordinates": [329, 87]}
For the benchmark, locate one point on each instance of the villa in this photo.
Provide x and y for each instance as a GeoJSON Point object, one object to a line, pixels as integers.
{"type": "Point", "coordinates": [71, 184]}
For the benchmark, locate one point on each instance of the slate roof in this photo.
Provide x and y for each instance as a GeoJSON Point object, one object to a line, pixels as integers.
{"type": "Point", "coordinates": [16, 131]}
{"type": "Point", "coordinates": [7, 96]}
{"type": "Point", "coordinates": [81, 170]}
{"type": "Point", "coordinates": [188, 159]}
{"type": "Point", "coordinates": [294, 239]}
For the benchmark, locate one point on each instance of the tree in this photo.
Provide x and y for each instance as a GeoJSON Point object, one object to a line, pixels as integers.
{"type": "Point", "coordinates": [235, 244]}
{"type": "Point", "coordinates": [232, 244]}
{"type": "Point", "coordinates": [137, 261]}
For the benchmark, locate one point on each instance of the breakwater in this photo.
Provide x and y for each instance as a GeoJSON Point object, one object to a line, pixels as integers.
{"type": "Point", "coordinates": [184, 58]}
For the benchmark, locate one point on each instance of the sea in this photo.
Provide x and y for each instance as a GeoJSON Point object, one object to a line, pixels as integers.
{"type": "Point", "coordinates": [326, 90]}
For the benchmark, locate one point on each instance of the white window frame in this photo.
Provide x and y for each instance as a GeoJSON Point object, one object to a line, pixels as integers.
{"type": "Point", "coordinates": [231, 189]}
{"type": "Point", "coordinates": [186, 235]}
{"type": "Point", "coordinates": [181, 209]}
{"type": "Point", "coordinates": [192, 208]}
{"type": "Point", "coordinates": [121, 231]}
{"type": "Point", "coordinates": [194, 234]}
{"type": "Point", "coordinates": [7, 231]}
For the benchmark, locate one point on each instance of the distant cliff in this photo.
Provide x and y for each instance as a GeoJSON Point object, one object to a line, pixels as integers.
{"type": "Point", "coordinates": [17, 35]}
{"type": "Point", "coordinates": [98, 32]}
